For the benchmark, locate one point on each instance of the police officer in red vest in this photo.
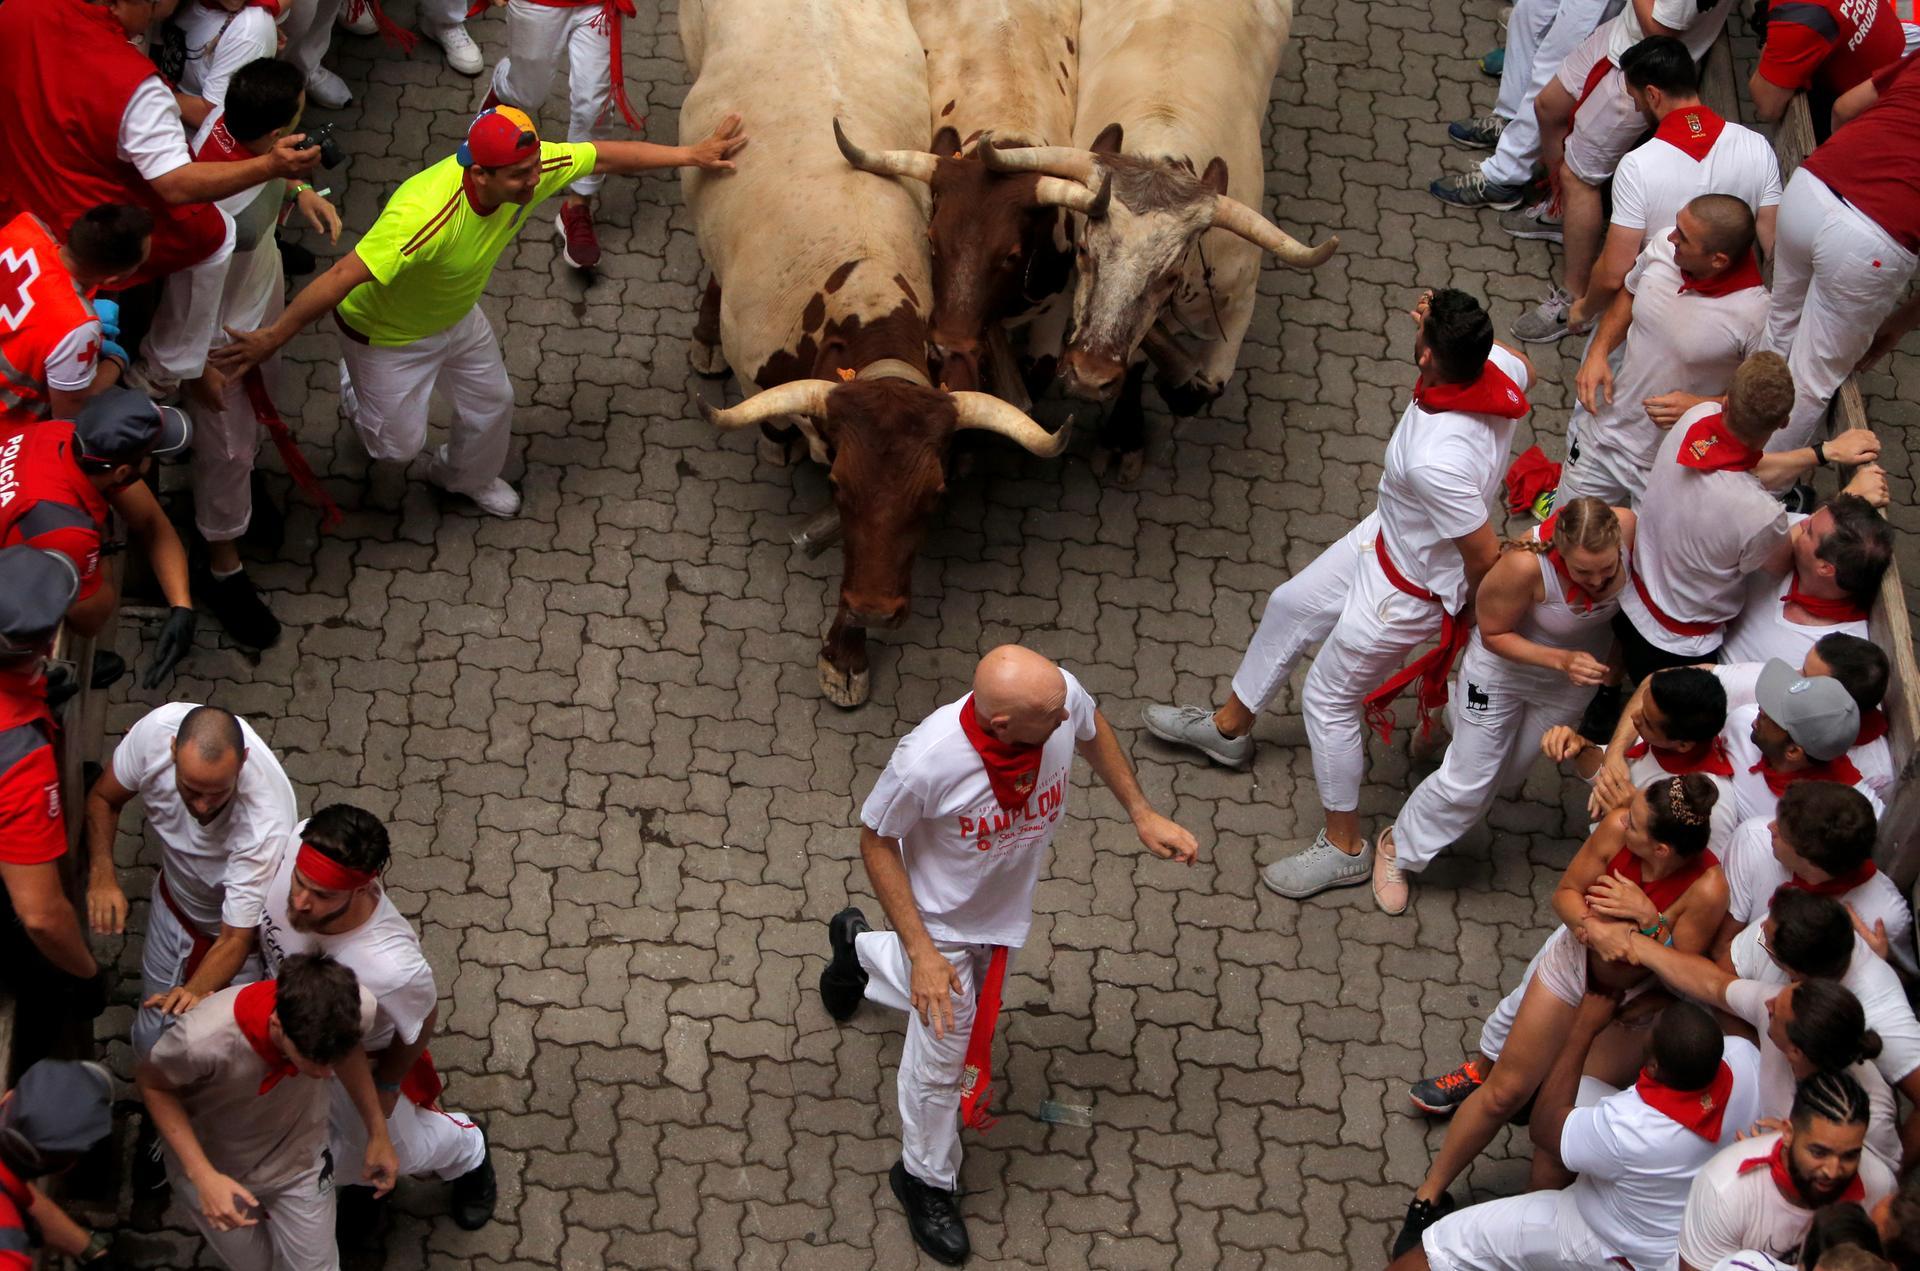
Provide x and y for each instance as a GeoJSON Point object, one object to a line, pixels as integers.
{"type": "Point", "coordinates": [57, 1113]}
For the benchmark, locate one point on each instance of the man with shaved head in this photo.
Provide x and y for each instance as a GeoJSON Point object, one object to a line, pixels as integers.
{"type": "Point", "coordinates": [1692, 308]}
{"type": "Point", "coordinates": [221, 807]}
{"type": "Point", "coordinates": [954, 836]}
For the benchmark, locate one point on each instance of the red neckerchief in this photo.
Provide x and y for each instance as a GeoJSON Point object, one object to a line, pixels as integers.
{"type": "Point", "coordinates": [1574, 592]}
{"type": "Point", "coordinates": [1697, 1110]}
{"type": "Point", "coordinates": [1776, 1162]}
{"type": "Point", "coordinates": [1838, 885]}
{"type": "Point", "coordinates": [253, 1013]}
{"type": "Point", "coordinates": [1011, 770]}
{"type": "Point", "coordinates": [220, 146]}
{"type": "Point", "coordinates": [1662, 891]}
{"type": "Point", "coordinates": [1840, 770]}
{"type": "Point", "coordinates": [1739, 276]}
{"type": "Point", "coordinates": [1840, 609]}
{"type": "Point", "coordinates": [1691, 130]}
{"type": "Point", "coordinates": [1710, 447]}
{"type": "Point", "coordinates": [1873, 726]}
{"type": "Point", "coordinates": [1494, 393]}
{"type": "Point", "coordinates": [1714, 760]}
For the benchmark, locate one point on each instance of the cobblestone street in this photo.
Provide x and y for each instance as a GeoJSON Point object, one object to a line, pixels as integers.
{"type": "Point", "coordinates": [622, 811]}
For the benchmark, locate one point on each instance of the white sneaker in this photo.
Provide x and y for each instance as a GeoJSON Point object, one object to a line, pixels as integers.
{"type": "Point", "coordinates": [324, 88]}
{"type": "Point", "coordinates": [462, 53]}
{"type": "Point", "coordinates": [496, 498]}
{"type": "Point", "coordinates": [358, 18]}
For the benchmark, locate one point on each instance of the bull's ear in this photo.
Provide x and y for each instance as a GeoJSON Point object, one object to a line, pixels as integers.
{"type": "Point", "coordinates": [946, 142]}
{"type": "Point", "coordinates": [1109, 140]}
{"type": "Point", "coordinates": [1215, 177]}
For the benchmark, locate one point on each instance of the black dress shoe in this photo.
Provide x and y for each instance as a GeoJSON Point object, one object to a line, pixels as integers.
{"type": "Point", "coordinates": [475, 1193]}
{"type": "Point", "coordinates": [108, 667]}
{"type": "Point", "coordinates": [1421, 1214]}
{"type": "Point", "coordinates": [296, 260]}
{"type": "Point", "coordinates": [843, 985]}
{"type": "Point", "coordinates": [932, 1217]}
{"type": "Point", "coordinates": [236, 603]}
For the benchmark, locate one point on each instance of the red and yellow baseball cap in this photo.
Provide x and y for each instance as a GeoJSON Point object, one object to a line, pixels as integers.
{"type": "Point", "coordinates": [499, 137]}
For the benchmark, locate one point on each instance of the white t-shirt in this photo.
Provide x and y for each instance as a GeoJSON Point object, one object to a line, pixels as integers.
{"type": "Point", "coordinates": [76, 358]}
{"type": "Point", "coordinates": [1729, 1210]}
{"type": "Point", "coordinates": [1752, 796]}
{"type": "Point", "coordinates": [1700, 535]}
{"type": "Point", "coordinates": [1763, 630]}
{"type": "Point", "coordinates": [235, 40]}
{"type": "Point", "coordinates": [1741, 679]}
{"type": "Point", "coordinates": [153, 137]}
{"type": "Point", "coordinates": [1749, 999]}
{"type": "Point", "coordinates": [1678, 341]}
{"type": "Point", "coordinates": [1882, 998]}
{"type": "Point", "coordinates": [1658, 178]}
{"type": "Point", "coordinates": [973, 865]}
{"type": "Point", "coordinates": [1636, 1163]}
{"type": "Point", "coordinates": [383, 952]}
{"type": "Point", "coordinates": [1754, 1260]}
{"type": "Point", "coordinates": [218, 871]}
{"type": "Point", "coordinates": [1754, 874]}
{"type": "Point", "coordinates": [1442, 472]}
{"type": "Point", "coordinates": [1697, 30]}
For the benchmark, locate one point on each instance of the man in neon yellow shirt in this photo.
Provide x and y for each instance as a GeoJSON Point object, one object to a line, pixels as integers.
{"type": "Point", "coordinates": [405, 299]}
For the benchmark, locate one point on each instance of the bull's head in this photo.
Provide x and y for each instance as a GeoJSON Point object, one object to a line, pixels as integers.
{"type": "Point", "coordinates": [1130, 260]}
{"type": "Point", "coordinates": [884, 439]}
{"type": "Point", "coordinates": [992, 234]}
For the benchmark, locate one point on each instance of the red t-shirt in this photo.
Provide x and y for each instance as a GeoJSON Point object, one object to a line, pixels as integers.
{"type": "Point", "coordinates": [1873, 162]}
{"type": "Point", "coordinates": [46, 501]}
{"type": "Point", "coordinates": [1837, 42]}
{"type": "Point", "coordinates": [32, 831]}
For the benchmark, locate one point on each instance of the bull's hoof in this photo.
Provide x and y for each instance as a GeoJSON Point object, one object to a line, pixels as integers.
{"type": "Point", "coordinates": [707, 359]}
{"type": "Point", "coordinates": [1127, 465]}
{"type": "Point", "coordinates": [845, 689]}
{"type": "Point", "coordinates": [1188, 398]}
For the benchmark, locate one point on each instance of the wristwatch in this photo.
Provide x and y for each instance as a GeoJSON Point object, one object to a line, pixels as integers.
{"type": "Point", "coordinates": [1819, 454]}
{"type": "Point", "coordinates": [99, 1245]}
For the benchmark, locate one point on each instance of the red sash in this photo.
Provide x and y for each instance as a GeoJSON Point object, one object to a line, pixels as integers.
{"type": "Point", "coordinates": [1594, 76]}
{"type": "Point", "coordinates": [296, 463]}
{"type": "Point", "coordinates": [200, 942]}
{"type": "Point", "coordinates": [1697, 1110]}
{"type": "Point", "coordinates": [1840, 770]}
{"type": "Point", "coordinates": [1431, 668]}
{"type": "Point", "coordinates": [253, 1014]}
{"type": "Point", "coordinates": [1776, 1162]}
{"type": "Point", "coordinates": [1741, 276]}
{"type": "Point", "coordinates": [1838, 885]}
{"type": "Point", "coordinates": [1839, 609]}
{"type": "Point", "coordinates": [422, 1084]}
{"type": "Point", "coordinates": [1662, 891]}
{"type": "Point", "coordinates": [1873, 726]}
{"type": "Point", "coordinates": [1714, 760]}
{"type": "Point", "coordinates": [1711, 447]}
{"type": "Point", "coordinates": [1661, 616]}
{"type": "Point", "coordinates": [1011, 770]}
{"type": "Point", "coordinates": [976, 1078]}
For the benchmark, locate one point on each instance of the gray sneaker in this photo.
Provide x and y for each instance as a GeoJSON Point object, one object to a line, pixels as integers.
{"type": "Point", "coordinates": [1537, 221]}
{"type": "Point", "coordinates": [1547, 321]}
{"type": "Point", "coordinates": [1482, 132]}
{"type": "Point", "coordinates": [1472, 189]}
{"type": "Point", "coordinates": [1320, 867]}
{"type": "Point", "coordinates": [1193, 726]}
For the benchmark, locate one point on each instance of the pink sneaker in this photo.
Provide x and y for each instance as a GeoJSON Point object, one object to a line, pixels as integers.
{"type": "Point", "coordinates": [1391, 891]}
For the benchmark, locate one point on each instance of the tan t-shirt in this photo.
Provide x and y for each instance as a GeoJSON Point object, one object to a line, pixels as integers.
{"type": "Point", "coordinates": [263, 1141]}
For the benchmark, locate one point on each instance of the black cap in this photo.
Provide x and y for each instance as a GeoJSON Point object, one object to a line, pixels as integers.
{"type": "Point", "coordinates": [119, 425]}
{"type": "Point", "coordinates": [60, 1106]}
{"type": "Point", "coordinates": [36, 587]}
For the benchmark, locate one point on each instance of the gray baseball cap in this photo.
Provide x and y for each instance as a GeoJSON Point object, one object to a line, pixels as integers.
{"type": "Point", "coordinates": [36, 586]}
{"type": "Point", "coordinates": [1817, 711]}
{"type": "Point", "coordinates": [120, 425]}
{"type": "Point", "coordinates": [61, 1106]}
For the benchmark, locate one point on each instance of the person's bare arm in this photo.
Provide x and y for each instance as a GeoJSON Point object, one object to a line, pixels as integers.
{"type": "Point", "coordinates": [210, 182]}
{"type": "Point", "coordinates": [222, 962]}
{"type": "Point", "coordinates": [41, 905]}
{"type": "Point", "coordinates": [1588, 864]}
{"type": "Point", "coordinates": [1593, 385]}
{"type": "Point", "coordinates": [193, 110]}
{"type": "Point", "coordinates": [1770, 101]}
{"type": "Point", "coordinates": [935, 982]}
{"type": "Point", "coordinates": [106, 903]}
{"type": "Point", "coordinates": [248, 349]}
{"type": "Point", "coordinates": [1479, 551]}
{"type": "Point", "coordinates": [1854, 100]}
{"type": "Point", "coordinates": [1643, 10]}
{"type": "Point", "coordinates": [57, 1228]}
{"type": "Point", "coordinates": [1609, 276]}
{"type": "Point", "coordinates": [380, 1166]}
{"type": "Point", "coordinates": [148, 523]}
{"type": "Point", "coordinates": [66, 403]}
{"type": "Point", "coordinates": [221, 1198]}
{"type": "Point", "coordinates": [715, 152]}
{"type": "Point", "coordinates": [1910, 1128]}
{"type": "Point", "coordinates": [1554, 1102]}
{"type": "Point", "coordinates": [1765, 222]}
{"type": "Point", "coordinates": [1688, 974]}
{"type": "Point", "coordinates": [1507, 594]}
{"type": "Point", "coordinates": [390, 1066]}
{"type": "Point", "coordinates": [1109, 762]}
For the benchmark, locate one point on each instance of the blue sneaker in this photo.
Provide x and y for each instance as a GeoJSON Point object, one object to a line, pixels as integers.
{"type": "Point", "coordinates": [1472, 189]}
{"type": "Point", "coordinates": [1493, 63]}
{"type": "Point", "coordinates": [1479, 133]}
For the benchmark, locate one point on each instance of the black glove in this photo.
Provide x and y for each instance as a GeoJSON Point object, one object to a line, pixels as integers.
{"type": "Point", "coordinates": [175, 642]}
{"type": "Point", "coordinates": [87, 998]}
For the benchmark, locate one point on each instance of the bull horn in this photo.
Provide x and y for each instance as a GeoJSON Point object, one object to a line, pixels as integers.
{"type": "Point", "coordinates": [804, 398]}
{"type": "Point", "coordinates": [1231, 214]}
{"type": "Point", "coordinates": [918, 164]}
{"type": "Point", "coordinates": [989, 414]}
{"type": "Point", "coordinates": [1056, 161]}
{"type": "Point", "coordinates": [1060, 192]}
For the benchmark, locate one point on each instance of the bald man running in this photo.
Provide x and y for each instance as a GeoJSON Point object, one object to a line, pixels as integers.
{"type": "Point", "coordinates": [953, 836]}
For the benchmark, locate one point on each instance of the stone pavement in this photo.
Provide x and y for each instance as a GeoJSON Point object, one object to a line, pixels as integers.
{"type": "Point", "coordinates": [622, 811]}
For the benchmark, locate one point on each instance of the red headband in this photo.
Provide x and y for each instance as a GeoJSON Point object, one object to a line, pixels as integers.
{"type": "Point", "coordinates": [328, 874]}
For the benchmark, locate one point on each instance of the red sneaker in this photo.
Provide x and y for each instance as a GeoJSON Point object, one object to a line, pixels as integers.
{"type": "Point", "coordinates": [581, 246]}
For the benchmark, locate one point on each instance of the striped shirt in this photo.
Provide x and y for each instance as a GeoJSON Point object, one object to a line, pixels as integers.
{"type": "Point", "coordinates": [431, 251]}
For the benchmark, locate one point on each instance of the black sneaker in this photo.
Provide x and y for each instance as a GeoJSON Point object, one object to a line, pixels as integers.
{"type": "Point", "coordinates": [296, 260]}
{"type": "Point", "coordinates": [1441, 1095]}
{"type": "Point", "coordinates": [843, 985]}
{"type": "Point", "coordinates": [932, 1217]}
{"type": "Point", "coordinates": [475, 1193]}
{"type": "Point", "coordinates": [236, 603]}
{"type": "Point", "coordinates": [1800, 499]}
{"type": "Point", "coordinates": [1421, 1214]}
{"type": "Point", "coordinates": [108, 667]}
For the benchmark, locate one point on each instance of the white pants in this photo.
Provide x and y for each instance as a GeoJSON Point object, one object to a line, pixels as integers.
{"type": "Point", "coordinates": [1538, 1231]}
{"type": "Point", "coordinates": [392, 388]}
{"type": "Point", "coordinates": [309, 31]}
{"type": "Point", "coordinates": [1592, 471]}
{"type": "Point", "coordinates": [226, 440]}
{"type": "Point", "coordinates": [537, 35]}
{"type": "Point", "coordinates": [930, 1067]}
{"type": "Point", "coordinates": [1367, 629]}
{"type": "Point", "coordinates": [295, 1231]}
{"type": "Point", "coordinates": [442, 1144]}
{"type": "Point", "coordinates": [1836, 277]}
{"type": "Point", "coordinates": [189, 314]}
{"type": "Point", "coordinates": [1540, 34]}
{"type": "Point", "coordinates": [1499, 711]}
{"type": "Point", "coordinates": [1607, 124]}
{"type": "Point", "coordinates": [163, 967]}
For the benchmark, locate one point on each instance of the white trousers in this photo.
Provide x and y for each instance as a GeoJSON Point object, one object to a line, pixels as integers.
{"type": "Point", "coordinates": [1367, 629]}
{"type": "Point", "coordinates": [295, 1231]}
{"type": "Point", "coordinates": [1591, 471]}
{"type": "Point", "coordinates": [1540, 34]}
{"type": "Point", "coordinates": [226, 440]}
{"type": "Point", "coordinates": [930, 1067]}
{"type": "Point", "coordinates": [309, 32]}
{"type": "Point", "coordinates": [189, 314]}
{"type": "Point", "coordinates": [1836, 277]}
{"type": "Point", "coordinates": [393, 386]}
{"type": "Point", "coordinates": [1537, 1231]}
{"type": "Point", "coordinates": [442, 1144]}
{"type": "Point", "coordinates": [163, 967]}
{"type": "Point", "coordinates": [1498, 711]}
{"type": "Point", "coordinates": [538, 35]}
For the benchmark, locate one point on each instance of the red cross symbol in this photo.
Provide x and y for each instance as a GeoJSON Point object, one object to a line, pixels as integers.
{"type": "Point", "coordinates": [91, 352]}
{"type": "Point", "coordinates": [17, 272]}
